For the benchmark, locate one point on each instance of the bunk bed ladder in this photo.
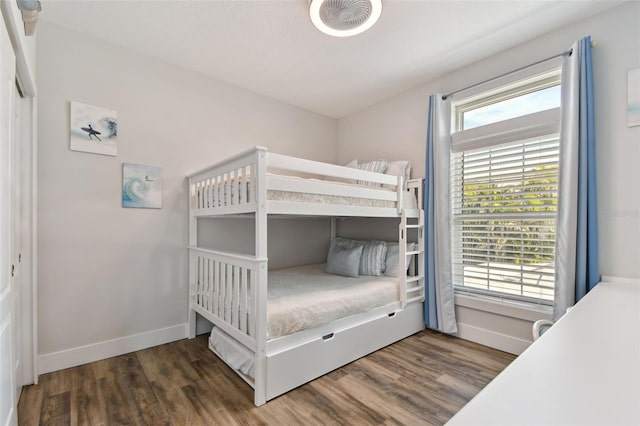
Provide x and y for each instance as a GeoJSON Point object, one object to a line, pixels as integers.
{"type": "Point", "coordinates": [413, 282]}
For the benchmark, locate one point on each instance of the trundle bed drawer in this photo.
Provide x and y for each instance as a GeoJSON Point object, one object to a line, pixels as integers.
{"type": "Point", "coordinates": [291, 368]}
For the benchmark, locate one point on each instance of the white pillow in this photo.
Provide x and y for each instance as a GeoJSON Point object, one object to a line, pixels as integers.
{"type": "Point", "coordinates": [353, 164]}
{"type": "Point", "coordinates": [393, 256]}
{"type": "Point", "coordinates": [376, 166]}
{"type": "Point", "coordinates": [398, 168]}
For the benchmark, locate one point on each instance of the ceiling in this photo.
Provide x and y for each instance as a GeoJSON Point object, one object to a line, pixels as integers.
{"type": "Point", "coordinates": [271, 47]}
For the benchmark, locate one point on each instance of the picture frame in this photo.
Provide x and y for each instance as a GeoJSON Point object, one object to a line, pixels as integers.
{"type": "Point", "coordinates": [93, 129]}
{"type": "Point", "coordinates": [141, 186]}
{"type": "Point", "coordinates": [633, 98]}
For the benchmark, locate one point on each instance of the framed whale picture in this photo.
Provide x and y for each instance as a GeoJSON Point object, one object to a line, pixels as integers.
{"type": "Point", "coordinates": [93, 129]}
{"type": "Point", "coordinates": [141, 186]}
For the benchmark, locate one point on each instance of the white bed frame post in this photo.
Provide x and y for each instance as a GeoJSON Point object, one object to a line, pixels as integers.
{"type": "Point", "coordinates": [260, 384]}
{"type": "Point", "coordinates": [421, 250]}
{"type": "Point", "coordinates": [402, 258]}
{"type": "Point", "coordinates": [193, 242]}
{"type": "Point", "coordinates": [412, 286]}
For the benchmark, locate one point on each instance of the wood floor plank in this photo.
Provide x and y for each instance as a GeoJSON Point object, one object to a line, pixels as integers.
{"type": "Point", "coordinates": [56, 409]}
{"type": "Point", "coordinates": [167, 362]}
{"type": "Point", "coordinates": [31, 398]}
{"type": "Point", "coordinates": [373, 396]}
{"type": "Point", "coordinates": [175, 405]}
{"type": "Point", "coordinates": [116, 410]}
{"type": "Point", "coordinates": [423, 379]}
{"type": "Point", "coordinates": [462, 387]}
{"type": "Point", "coordinates": [87, 407]}
{"type": "Point", "coordinates": [201, 404]}
{"type": "Point", "coordinates": [351, 405]}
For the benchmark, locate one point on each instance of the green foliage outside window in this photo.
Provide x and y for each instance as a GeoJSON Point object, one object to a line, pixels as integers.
{"type": "Point", "coordinates": [528, 241]}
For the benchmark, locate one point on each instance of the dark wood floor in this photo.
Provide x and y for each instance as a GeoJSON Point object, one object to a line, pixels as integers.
{"type": "Point", "coordinates": [423, 379]}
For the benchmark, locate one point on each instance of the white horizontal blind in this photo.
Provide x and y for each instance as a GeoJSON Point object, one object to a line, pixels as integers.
{"type": "Point", "coordinates": [504, 201]}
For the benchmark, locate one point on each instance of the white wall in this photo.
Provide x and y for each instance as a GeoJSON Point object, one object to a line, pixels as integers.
{"type": "Point", "coordinates": [396, 129]}
{"type": "Point", "coordinates": [106, 272]}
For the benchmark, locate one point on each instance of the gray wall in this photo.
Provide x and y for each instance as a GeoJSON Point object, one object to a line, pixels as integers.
{"type": "Point", "coordinates": [106, 272]}
{"type": "Point", "coordinates": [292, 241]}
{"type": "Point", "coordinates": [396, 129]}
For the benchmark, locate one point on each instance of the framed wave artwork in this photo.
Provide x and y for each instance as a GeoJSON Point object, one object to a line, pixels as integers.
{"type": "Point", "coordinates": [141, 186]}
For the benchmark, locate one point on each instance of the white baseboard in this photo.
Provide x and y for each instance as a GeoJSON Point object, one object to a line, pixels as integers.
{"type": "Point", "coordinates": [624, 280]}
{"type": "Point", "coordinates": [55, 361]}
{"type": "Point", "coordinates": [492, 339]}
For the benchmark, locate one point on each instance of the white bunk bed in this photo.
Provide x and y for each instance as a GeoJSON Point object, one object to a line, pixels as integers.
{"type": "Point", "coordinates": [230, 290]}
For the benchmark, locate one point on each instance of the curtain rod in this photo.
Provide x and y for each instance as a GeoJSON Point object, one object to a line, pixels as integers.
{"type": "Point", "coordinates": [565, 53]}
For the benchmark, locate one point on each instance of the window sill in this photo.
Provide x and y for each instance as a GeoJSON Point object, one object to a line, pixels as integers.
{"type": "Point", "coordinates": [508, 308]}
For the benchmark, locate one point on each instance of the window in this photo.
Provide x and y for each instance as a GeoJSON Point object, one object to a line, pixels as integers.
{"type": "Point", "coordinates": [514, 107]}
{"type": "Point", "coordinates": [504, 186]}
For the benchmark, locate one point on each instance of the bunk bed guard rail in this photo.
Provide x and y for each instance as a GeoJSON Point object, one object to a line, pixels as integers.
{"type": "Point", "coordinates": [227, 289]}
{"type": "Point", "coordinates": [233, 185]}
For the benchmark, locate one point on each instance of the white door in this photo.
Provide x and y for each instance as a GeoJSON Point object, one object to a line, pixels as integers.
{"type": "Point", "coordinates": [8, 415]}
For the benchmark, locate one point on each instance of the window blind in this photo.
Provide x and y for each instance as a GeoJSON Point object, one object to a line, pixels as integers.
{"type": "Point", "coordinates": [504, 200]}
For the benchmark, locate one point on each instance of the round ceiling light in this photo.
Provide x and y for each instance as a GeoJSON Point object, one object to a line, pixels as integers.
{"type": "Point", "coordinates": [344, 18]}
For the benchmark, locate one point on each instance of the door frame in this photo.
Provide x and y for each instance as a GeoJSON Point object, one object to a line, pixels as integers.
{"type": "Point", "coordinates": [8, 321]}
{"type": "Point", "coordinates": [24, 48]}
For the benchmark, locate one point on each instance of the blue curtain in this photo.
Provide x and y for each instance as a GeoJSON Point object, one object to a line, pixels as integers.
{"type": "Point", "coordinates": [577, 268]}
{"type": "Point", "coordinates": [430, 308]}
{"type": "Point", "coordinates": [587, 266]}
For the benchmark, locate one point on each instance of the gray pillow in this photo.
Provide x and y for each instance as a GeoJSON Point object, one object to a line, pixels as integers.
{"type": "Point", "coordinates": [372, 261]}
{"type": "Point", "coordinates": [344, 260]}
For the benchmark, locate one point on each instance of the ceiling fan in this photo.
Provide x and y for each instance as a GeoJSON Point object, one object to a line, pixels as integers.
{"type": "Point", "coordinates": [344, 18]}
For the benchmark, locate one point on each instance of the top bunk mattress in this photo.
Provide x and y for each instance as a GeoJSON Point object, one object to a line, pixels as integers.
{"type": "Point", "coordinates": [307, 197]}
{"type": "Point", "coordinates": [306, 296]}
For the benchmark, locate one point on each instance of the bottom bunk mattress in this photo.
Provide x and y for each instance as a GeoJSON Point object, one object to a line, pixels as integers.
{"type": "Point", "coordinates": [306, 296]}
